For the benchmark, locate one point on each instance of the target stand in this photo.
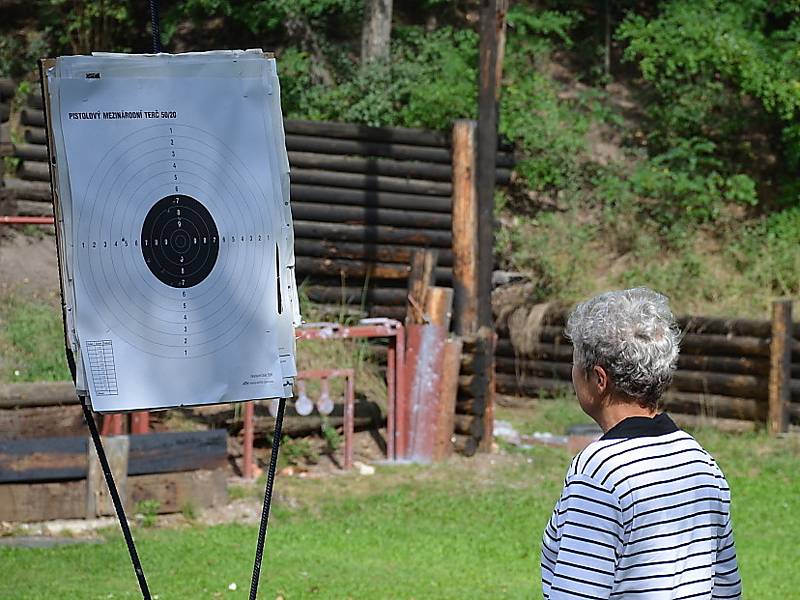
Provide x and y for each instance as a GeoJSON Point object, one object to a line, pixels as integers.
{"type": "Point", "coordinates": [174, 237]}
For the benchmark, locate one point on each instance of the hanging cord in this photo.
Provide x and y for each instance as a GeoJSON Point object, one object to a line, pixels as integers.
{"type": "Point", "coordinates": [273, 465]}
{"type": "Point", "coordinates": [112, 488]}
{"type": "Point", "coordinates": [154, 22]}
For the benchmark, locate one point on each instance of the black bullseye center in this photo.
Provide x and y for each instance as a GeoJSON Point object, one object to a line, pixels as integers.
{"type": "Point", "coordinates": [179, 230]}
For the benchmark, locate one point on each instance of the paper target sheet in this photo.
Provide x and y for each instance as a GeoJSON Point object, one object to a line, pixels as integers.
{"type": "Point", "coordinates": [175, 227]}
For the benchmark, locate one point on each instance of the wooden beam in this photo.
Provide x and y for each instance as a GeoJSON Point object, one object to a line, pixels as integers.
{"type": "Point", "coordinates": [98, 498]}
{"type": "Point", "coordinates": [312, 211]}
{"type": "Point", "coordinates": [41, 422]}
{"type": "Point", "coordinates": [175, 491]}
{"type": "Point", "coordinates": [320, 192]}
{"type": "Point", "coordinates": [420, 279]}
{"type": "Point", "coordinates": [780, 366]}
{"type": "Point", "coordinates": [443, 445]}
{"type": "Point", "coordinates": [385, 234]}
{"type": "Point", "coordinates": [439, 306]}
{"type": "Point", "coordinates": [465, 229]}
{"type": "Point", "coordinates": [26, 502]}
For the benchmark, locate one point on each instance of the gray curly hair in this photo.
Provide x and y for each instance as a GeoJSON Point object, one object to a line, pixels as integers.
{"type": "Point", "coordinates": [632, 334]}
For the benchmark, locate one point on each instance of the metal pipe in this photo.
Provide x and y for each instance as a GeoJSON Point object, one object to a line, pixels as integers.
{"type": "Point", "coordinates": [247, 458]}
{"type": "Point", "coordinates": [9, 220]}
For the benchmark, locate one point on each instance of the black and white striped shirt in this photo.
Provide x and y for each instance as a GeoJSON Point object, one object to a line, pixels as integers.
{"type": "Point", "coordinates": [645, 514]}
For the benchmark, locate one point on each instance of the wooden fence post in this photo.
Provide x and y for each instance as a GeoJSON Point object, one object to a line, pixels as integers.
{"type": "Point", "coordinates": [465, 229]}
{"type": "Point", "coordinates": [780, 359]}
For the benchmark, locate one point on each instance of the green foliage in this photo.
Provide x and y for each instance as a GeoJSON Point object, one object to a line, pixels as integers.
{"type": "Point", "coordinates": [298, 451]}
{"type": "Point", "coordinates": [149, 511]}
{"type": "Point", "coordinates": [331, 435]}
{"type": "Point", "coordinates": [428, 82]}
{"type": "Point", "coordinates": [19, 52]}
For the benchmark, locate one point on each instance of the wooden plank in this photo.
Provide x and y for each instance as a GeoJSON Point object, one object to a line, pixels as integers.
{"type": "Point", "coordinates": [420, 279]}
{"type": "Point", "coordinates": [356, 295]}
{"type": "Point", "coordinates": [53, 421]}
{"type": "Point", "coordinates": [443, 445]}
{"type": "Point", "coordinates": [780, 367]}
{"type": "Point", "coordinates": [384, 234]}
{"type": "Point", "coordinates": [177, 451]}
{"type": "Point", "coordinates": [98, 498]}
{"type": "Point", "coordinates": [465, 229]}
{"type": "Point", "coordinates": [174, 491]}
{"type": "Point", "coordinates": [25, 502]}
{"type": "Point", "coordinates": [45, 459]}
{"type": "Point", "coordinates": [700, 421]}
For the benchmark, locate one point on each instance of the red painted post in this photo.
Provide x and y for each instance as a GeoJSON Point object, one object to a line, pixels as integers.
{"type": "Point", "coordinates": [401, 394]}
{"type": "Point", "coordinates": [391, 398]}
{"type": "Point", "coordinates": [247, 459]}
{"type": "Point", "coordinates": [140, 422]}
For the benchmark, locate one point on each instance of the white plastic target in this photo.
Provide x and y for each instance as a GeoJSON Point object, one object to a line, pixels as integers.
{"type": "Point", "coordinates": [177, 221]}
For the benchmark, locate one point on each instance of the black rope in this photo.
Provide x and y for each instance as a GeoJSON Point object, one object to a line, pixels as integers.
{"type": "Point", "coordinates": [273, 465]}
{"type": "Point", "coordinates": [154, 23]}
{"type": "Point", "coordinates": [112, 488]}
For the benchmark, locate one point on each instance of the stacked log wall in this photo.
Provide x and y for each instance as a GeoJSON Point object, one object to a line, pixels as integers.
{"type": "Point", "coordinates": [723, 368]}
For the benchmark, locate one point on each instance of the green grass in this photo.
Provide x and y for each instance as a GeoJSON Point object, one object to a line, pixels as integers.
{"type": "Point", "coordinates": [31, 341]}
{"type": "Point", "coordinates": [469, 528]}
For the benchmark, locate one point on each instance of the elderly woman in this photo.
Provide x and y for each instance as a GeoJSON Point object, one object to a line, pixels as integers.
{"type": "Point", "coordinates": [645, 510]}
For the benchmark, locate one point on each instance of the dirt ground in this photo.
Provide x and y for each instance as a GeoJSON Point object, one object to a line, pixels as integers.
{"type": "Point", "coordinates": [28, 263]}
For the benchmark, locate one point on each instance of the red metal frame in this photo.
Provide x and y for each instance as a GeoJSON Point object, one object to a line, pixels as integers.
{"type": "Point", "coordinates": [397, 418]}
{"type": "Point", "coordinates": [349, 417]}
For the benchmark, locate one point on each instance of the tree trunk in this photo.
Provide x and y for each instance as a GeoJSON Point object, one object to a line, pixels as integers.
{"type": "Point", "coordinates": [377, 31]}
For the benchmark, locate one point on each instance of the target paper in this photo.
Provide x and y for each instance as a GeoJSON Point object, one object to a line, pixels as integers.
{"type": "Point", "coordinates": [178, 227]}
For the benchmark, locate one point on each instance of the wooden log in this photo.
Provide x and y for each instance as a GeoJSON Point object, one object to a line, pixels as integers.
{"type": "Point", "coordinates": [742, 386]}
{"type": "Point", "coordinates": [44, 459]}
{"type": "Point", "coordinates": [369, 198]}
{"type": "Point", "coordinates": [539, 368]}
{"type": "Point", "coordinates": [365, 181]}
{"type": "Point", "coordinates": [724, 364]}
{"type": "Point", "coordinates": [175, 491]}
{"type": "Point", "coordinates": [5, 112]}
{"type": "Point", "coordinates": [37, 191]}
{"type": "Point", "coordinates": [466, 405]}
{"type": "Point", "coordinates": [33, 171]}
{"type": "Point", "coordinates": [362, 251]}
{"type": "Point", "coordinates": [31, 208]}
{"type": "Point", "coordinates": [307, 143]}
{"type": "Point", "coordinates": [24, 502]}
{"type": "Point", "coordinates": [7, 88]}
{"type": "Point", "coordinates": [468, 425]}
{"type": "Point", "coordinates": [13, 395]}
{"type": "Point", "coordinates": [31, 152]}
{"type": "Point", "coordinates": [465, 229]}
{"type": "Point", "coordinates": [6, 145]}
{"type": "Point", "coordinates": [700, 421]}
{"type": "Point", "coordinates": [443, 444]}
{"type": "Point", "coordinates": [780, 366]}
{"type": "Point", "coordinates": [421, 278]}
{"type": "Point", "coordinates": [372, 234]}
{"type": "Point", "coordinates": [722, 345]}
{"type": "Point", "coordinates": [35, 135]}
{"type": "Point", "coordinates": [529, 386]}
{"type": "Point", "coordinates": [351, 131]}
{"type": "Point", "coordinates": [714, 405]}
{"type": "Point", "coordinates": [32, 117]}
{"type": "Point", "coordinates": [723, 326]}
{"type": "Point", "coordinates": [465, 444]}
{"type": "Point", "coordinates": [439, 306]}
{"type": "Point", "coordinates": [351, 268]}
{"type": "Point", "coordinates": [295, 426]}
{"type": "Point", "coordinates": [561, 351]}
{"type": "Point", "coordinates": [371, 166]}
{"type": "Point", "coordinates": [41, 422]}
{"type": "Point", "coordinates": [357, 295]}
{"type": "Point", "coordinates": [34, 99]}
{"type": "Point", "coordinates": [351, 214]}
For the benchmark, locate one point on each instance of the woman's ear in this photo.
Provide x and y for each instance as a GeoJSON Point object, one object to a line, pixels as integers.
{"type": "Point", "coordinates": [600, 381]}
